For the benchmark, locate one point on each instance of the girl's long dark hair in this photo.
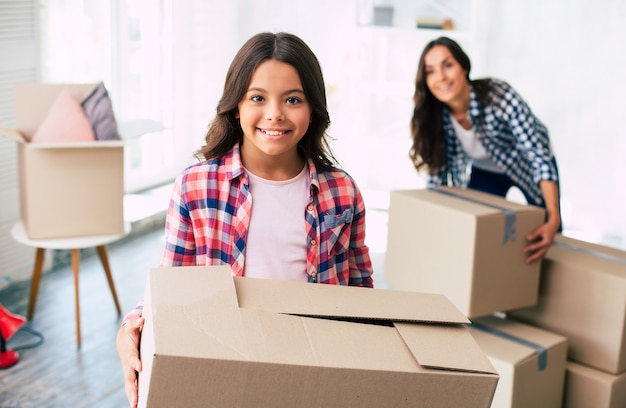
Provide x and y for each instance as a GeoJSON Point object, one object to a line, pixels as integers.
{"type": "Point", "coordinates": [225, 131]}
{"type": "Point", "coordinates": [428, 149]}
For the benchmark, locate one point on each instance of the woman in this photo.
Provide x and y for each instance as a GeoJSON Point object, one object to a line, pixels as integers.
{"type": "Point", "coordinates": [482, 135]}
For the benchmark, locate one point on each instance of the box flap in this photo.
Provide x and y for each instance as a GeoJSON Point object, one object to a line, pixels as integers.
{"type": "Point", "coordinates": [445, 347]}
{"type": "Point", "coordinates": [305, 299]}
{"type": "Point", "coordinates": [168, 289]}
{"type": "Point", "coordinates": [98, 144]}
{"type": "Point", "coordinates": [180, 294]}
{"type": "Point", "coordinates": [12, 133]}
{"type": "Point", "coordinates": [33, 101]}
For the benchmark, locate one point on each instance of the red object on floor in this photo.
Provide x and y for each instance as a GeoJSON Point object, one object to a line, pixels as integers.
{"type": "Point", "coordinates": [9, 324]}
{"type": "Point", "coordinates": [8, 358]}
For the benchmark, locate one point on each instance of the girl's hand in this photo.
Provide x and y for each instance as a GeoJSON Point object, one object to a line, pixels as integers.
{"type": "Point", "coordinates": [128, 350]}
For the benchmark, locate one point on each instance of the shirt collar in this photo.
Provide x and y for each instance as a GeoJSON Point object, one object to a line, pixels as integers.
{"type": "Point", "coordinates": [232, 163]}
{"type": "Point", "coordinates": [234, 168]}
{"type": "Point", "coordinates": [314, 183]}
{"type": "Point", "coordinates": [474, 106]}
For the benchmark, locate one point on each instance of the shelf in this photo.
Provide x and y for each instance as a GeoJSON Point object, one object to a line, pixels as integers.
{"type": "Point", "coordinates": [405, 14]}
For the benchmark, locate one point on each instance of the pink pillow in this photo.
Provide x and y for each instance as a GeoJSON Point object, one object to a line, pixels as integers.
{"type": "Point", "coordinates": [65, 122]}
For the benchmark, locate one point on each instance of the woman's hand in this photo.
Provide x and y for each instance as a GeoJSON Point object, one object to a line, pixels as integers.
{"type": "Point", "coordinates": [128, 350]}
{"type": "Point", "coordinates": [540, 241]}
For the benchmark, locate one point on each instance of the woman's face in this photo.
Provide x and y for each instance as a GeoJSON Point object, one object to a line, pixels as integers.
{"type": "Point", "coordinates": [274, 114]}
{"type": "Point", "coordinates": [445, 77]}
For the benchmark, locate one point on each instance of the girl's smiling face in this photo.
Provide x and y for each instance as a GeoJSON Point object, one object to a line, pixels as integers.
{"type": "Point", "coordinates": [274, 115]}
{"type": "Point", "coordinates": [445, 77]}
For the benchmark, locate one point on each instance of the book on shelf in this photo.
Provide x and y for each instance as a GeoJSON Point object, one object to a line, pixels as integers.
{"type": "Point", "coordinates": [435, 23]}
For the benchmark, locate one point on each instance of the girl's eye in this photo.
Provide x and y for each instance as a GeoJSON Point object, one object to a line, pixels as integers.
{"type": "Point", "coordinates": [449, 65]}
{"type": "Point", "coordinates": [257, 98]}
{"type": "Point", "coordinates": [293, 100]}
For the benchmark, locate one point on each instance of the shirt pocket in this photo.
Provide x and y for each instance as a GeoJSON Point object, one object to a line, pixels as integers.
{"type": "Point", "coordinates": [336, 230]}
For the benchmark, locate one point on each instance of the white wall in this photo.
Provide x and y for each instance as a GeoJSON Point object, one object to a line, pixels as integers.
{"type": "Point", "coordinates": [567, 59]}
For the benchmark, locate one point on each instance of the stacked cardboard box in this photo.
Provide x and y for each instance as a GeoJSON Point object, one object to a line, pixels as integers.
{"type": "Point", "coordinates": [531, 362]}
{"type": "Point", "coordinates": [464, 244]}
{"type": "Point", "coordinates": [587, 387]}
{"type": "Point", "coordinates": [583, 297]}
{"type": "Point", "coordinates": [66, 189]}
{"type": "Point", "coordinates": [211, 339]}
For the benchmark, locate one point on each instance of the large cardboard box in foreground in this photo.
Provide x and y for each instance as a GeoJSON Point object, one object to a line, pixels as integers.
{"type": "Point", "coordinates": [530, 361]}
{"type": "Point", "coordinates": [66, 189]}
{"type": "Point", "coordinates": [587, 387]}
{"type": "Point", "coordinates": [211, 339]}
{"type": "Point", "coordinates": [464, 244]}
{"type": "Point", "coordinates": [582, 296]}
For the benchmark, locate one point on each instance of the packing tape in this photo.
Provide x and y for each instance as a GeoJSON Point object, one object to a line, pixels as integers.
{"type": "Point", "coordinates": [589, 252]}
{"type": "Point", "coordinates": [542, 352]}
{"type": "Point", "coordinates": [509, 215]}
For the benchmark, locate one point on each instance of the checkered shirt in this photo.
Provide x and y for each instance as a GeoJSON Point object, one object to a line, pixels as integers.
{"type": "Point", "coordinates": [514, 138]}
{"type": "Point", "coordinates": [209, 216]}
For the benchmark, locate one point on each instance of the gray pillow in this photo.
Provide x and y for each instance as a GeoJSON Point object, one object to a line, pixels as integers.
{"type": "Point", "coordinates": [99, 110]}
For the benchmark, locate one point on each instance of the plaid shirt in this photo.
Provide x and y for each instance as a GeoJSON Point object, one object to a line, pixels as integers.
{"type": "Point", "coordinates": [209, 215]}
{"type": "Point", "coordinates": [514, 138]}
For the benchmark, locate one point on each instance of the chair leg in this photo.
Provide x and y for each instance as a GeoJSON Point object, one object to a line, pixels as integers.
{"type": "Point", "coordinates": [102, 253]}
{"type": "Point", "coordinates": [34, 286]}
{"type": "Point", "coordinates": [75, 269]}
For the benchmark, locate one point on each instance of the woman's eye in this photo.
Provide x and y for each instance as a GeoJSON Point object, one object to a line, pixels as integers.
{"type": "Point", "coordinates": [293, 100]}
{"type": "Point", "coordinates": [257, 98]}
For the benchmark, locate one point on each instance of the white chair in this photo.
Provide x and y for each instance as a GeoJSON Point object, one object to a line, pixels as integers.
{"type": "Point", "coordinates": [74, 244]}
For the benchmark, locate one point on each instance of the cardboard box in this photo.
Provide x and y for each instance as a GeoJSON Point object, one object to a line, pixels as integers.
{"type": "Point", "coordinates": [530, 361]}
{"type": "Point", "coordinates": [66, 189]}
{"type": "Point", "coordinates": [582, 296]}
{"type": "Point", "coordinates": [464, 244]}
{"type": "Point", "coordinates": [211, 339]}
{"type": "Point", "coordinates": [586, 387]}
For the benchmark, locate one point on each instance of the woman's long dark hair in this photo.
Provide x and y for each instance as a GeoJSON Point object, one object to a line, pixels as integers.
{"type": "Point", "coordinates": [225, 131]}
{"type": "Point", "coordinates": [429, 140]}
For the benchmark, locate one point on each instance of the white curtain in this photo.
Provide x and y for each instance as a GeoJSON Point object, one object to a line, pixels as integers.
{"type": "Point", "coordinates": [19, 47]}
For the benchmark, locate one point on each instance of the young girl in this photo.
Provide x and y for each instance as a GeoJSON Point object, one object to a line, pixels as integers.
{"type": "Point", "coordinates": [481, 134]}
{"type": "Point", "coordinates": [265, 198]}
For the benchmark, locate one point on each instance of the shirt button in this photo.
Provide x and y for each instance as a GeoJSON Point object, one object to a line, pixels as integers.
{"type": "Point", "coordinates": [313, 274]}
{"type": "Point", "coordinates": [313, 242]}
{"type": "Point", "coordinates": [309, 207]}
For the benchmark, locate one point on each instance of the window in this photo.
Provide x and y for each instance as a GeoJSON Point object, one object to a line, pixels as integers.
{"type": "Point", "coordinates": [128, 45]}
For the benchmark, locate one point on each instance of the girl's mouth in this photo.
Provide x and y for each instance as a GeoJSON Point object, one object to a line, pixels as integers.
{"type": "Point", "coordinates": [273, 132]}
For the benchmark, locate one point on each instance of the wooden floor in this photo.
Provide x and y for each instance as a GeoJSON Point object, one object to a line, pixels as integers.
{"type": "Point", "coordinates": [57, 373]}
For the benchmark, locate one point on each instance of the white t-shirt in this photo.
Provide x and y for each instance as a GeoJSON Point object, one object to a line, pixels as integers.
{"type": "Point", "coordinates": [474, 148]}
{"type": "Point", "coordinates": [276, 244]}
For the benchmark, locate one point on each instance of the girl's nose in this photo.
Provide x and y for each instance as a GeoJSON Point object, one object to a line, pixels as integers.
{"type": "Point", "coordinates": [274, 112]}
